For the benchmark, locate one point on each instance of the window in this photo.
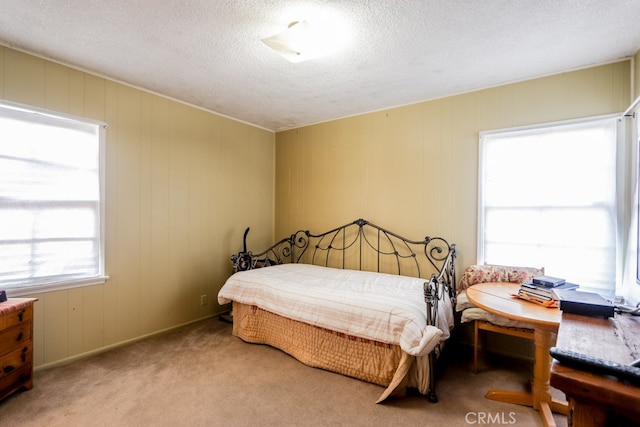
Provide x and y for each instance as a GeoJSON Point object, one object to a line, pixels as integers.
{"type": "Point", "coordinates": [50, 200]}
{"type": "Point", "coordinates": [548, 198]}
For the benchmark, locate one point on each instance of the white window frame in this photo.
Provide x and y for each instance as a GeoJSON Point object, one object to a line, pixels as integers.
{"type": "Point", "coordinates": [620, 187]}
{"type": "Point", "coordinates": [24, 287]}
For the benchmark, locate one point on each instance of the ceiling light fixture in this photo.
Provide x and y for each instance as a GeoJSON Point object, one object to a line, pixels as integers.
{"type": "Point", "coordinates": [301, 41]}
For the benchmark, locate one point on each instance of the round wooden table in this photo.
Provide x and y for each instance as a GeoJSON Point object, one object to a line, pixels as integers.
{"type": "Point", "coordinates": [497, 298]}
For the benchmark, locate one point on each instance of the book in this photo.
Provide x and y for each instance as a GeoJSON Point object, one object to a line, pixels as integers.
{"type": "Point", "coordinates": [584, 303]}
{"type": "Point", "coordinates": [544, 301]}
{"type": "Point", "coordinates": [548, 281]}
{"type": "Point", "coordinates": [544, 291]}
{"type": "Point", "coordinates": [534, 296]}
{"type": "Point", "coordinates": [532, 292]}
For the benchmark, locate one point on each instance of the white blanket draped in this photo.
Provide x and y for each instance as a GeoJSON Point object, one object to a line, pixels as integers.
{"type": "Point", "coordinates": [377, 306]}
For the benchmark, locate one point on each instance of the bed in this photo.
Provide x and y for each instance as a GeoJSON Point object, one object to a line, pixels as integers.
{"type": "Point", "coordinates": [358, 300]}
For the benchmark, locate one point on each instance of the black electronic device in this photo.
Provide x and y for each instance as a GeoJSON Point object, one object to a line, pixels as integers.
{"type": "Point", "coordinates": [584, 303]}
{"type": "Point", "coordinates": [596, 365]}
{"type": "Point", "coordinates": [3, 296]}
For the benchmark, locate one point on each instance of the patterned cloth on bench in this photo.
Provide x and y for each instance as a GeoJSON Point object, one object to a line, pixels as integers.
{"type": "Point", "coordinates": [475, 274]}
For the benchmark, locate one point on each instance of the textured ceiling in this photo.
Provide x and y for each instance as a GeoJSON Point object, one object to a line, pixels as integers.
{"type": "Point", "coordinates": [208, 53]}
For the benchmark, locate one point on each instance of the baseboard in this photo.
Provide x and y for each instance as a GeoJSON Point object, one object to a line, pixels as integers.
{"type": "Point", "coordinates": [80, 356]}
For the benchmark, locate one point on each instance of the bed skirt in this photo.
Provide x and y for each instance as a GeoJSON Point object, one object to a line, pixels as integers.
{"type": "Point", "coordinates": [375, 362]}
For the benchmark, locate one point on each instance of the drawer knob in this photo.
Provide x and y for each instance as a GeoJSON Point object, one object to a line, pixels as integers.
{"type": "Point", "coordinates": [20, 336]}
{"type": "Point", "coordinates": [21, 315]}
{"type": "Point", "coordinates": [8, 369]}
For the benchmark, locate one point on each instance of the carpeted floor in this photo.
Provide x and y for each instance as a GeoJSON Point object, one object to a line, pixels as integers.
{"type": "Point", "coordinates": [200, 375]}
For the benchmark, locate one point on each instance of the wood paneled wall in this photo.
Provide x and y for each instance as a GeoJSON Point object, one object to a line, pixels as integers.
{"type": "Point", "coordinates": [414, 169]}
{"type": "Point", "coordinates": [181, 186]}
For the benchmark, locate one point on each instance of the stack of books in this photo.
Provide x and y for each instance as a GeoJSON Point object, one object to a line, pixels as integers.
{"type": "Point", "coordinates": [540, 290]}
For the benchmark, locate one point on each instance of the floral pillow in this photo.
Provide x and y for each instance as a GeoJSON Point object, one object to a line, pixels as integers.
{"type": "Point", "coordinates": [497, 273]}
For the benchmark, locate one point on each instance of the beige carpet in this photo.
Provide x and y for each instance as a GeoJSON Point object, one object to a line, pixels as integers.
{"type": "Point", "coordinates": [200, 375]}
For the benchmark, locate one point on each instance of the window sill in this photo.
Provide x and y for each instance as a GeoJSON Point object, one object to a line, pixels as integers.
{"type": "Point", "coordinates": [24, 290]}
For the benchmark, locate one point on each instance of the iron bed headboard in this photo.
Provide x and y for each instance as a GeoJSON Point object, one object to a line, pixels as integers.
{"type": "Point", "coordinates": [347, 246]}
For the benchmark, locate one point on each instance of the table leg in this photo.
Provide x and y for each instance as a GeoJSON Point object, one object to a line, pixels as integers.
{"type": "Point", "coordinates": [542, 366]}
{"type": "Point", "coordinates": [515, 397]}
{"type": "Point", "coordinates": [541, 390]}
{"type": "Point", "coordinates": [540, 396]}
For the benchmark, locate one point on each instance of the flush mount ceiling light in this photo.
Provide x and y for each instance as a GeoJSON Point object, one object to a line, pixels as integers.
{"type": "Point", "coordinates": [301, 41]}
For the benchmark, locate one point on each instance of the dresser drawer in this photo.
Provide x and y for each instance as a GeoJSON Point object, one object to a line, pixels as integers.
{"type": "Point", "coordinates": [15, 359]}
{"type": "Point", "coordinates": [16, 345]}
{"type": "Point", "coordinates": [14, 337]}
{"type": "Point", "coordinates": [21, 315]}
{"type": "Point", "coordinates": [17, 379]}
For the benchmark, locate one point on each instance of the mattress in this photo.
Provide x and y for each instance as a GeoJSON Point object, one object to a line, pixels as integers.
{"type": "Point", "coordinates": [381, 307]}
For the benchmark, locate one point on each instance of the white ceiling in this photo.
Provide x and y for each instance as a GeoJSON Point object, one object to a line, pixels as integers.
{"type": "Point", "coordinates": [208, 53]}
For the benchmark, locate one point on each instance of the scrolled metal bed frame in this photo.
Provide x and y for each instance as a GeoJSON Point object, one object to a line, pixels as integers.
{"type": "Point", "coordinates": [362, 245]}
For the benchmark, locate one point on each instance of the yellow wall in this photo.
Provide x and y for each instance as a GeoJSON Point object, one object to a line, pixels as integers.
{"type": "Point", "coordinates": [181, 186]}
{"type": "Point", "coordinates": [413, 169]}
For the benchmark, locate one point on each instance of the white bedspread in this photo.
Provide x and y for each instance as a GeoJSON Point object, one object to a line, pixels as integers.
{"type": "Point", "coordinates": [382, 307]}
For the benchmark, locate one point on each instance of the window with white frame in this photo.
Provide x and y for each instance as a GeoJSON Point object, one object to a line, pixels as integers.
{"type": "Point", "coordinates": [548, 198]}
{"type": "Point", "coordinates": [51, 193]}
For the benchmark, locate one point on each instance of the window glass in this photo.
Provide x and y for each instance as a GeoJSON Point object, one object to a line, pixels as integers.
{"type": "Point", "coordinates": [548, 199]}
{"type": "Point", "coordinates": [50, 200]}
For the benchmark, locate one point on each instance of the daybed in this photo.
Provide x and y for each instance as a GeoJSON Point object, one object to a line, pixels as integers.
{"type": "Point", "coordinates": [358, 300]}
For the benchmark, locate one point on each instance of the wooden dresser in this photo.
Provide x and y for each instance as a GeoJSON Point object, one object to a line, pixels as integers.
{"type": "Point", "coordinates": [16, 345]}
{"type": "Point", "coordinates": [599, 400]}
